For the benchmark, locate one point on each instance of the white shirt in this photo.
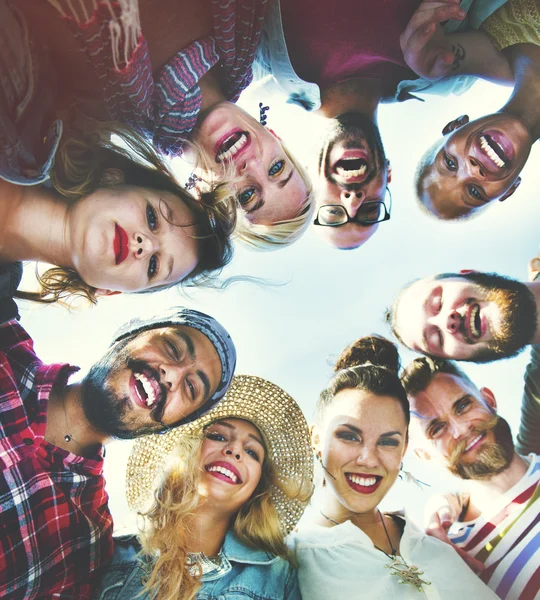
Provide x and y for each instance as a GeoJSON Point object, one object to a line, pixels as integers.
{"type": "Point", "coordinates": [342, 562]}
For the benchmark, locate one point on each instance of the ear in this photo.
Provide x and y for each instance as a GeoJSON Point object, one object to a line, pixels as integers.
{"type": "Point", "coordinates": [489, 397]}
{"type": "Point", "coordinates": [315, 439]}
{"type": "Point", "coordinates": [274, 134]}
{"type": "Point", "coordinates": [112, 177]}
{"type": "Point", "coordinates": [100, 292]}
{"type": "Point", "coordinates": [422, 454]}
{"type": "Point", "coordinates": [389, 170]}
{"type": "Point", "coordinates": [455, 124]}
{"type": "Point", "coordinates": [512, 189]}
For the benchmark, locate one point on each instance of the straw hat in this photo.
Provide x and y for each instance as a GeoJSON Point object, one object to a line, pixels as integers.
{"type": "Point", "coordinates": [282, 425]}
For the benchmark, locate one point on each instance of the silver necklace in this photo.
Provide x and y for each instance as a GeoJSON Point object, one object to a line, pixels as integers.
{"type": "Point", "coordinates": [406, 573]}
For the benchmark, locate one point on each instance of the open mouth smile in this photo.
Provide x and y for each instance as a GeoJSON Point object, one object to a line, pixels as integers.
{"type": "Point", "coordinates": [120, 244]}
{"type": "Point", "coordinates": [352, 166]}
{"type": "Point", "coordinates": [232, 145]}
{"type": "Point", "coordinates": [364, 484]}
{"type": "Point", "coordinates": [225, 472]}
{"type": "Point", "coordinates": [145, 389]}
{"type": "Point", "coordinates": [473, 323]}
{"type": "Point", "coordinates": [474, 442]}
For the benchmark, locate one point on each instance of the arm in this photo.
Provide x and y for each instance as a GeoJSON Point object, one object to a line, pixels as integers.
{"type": "Point", "coordinates": [292, 591]}
{"type": "Point", "coordinates": [433, 55]}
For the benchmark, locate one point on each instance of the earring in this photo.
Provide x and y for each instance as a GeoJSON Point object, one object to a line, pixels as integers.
{"type": "Point", "coordinates": [192, 181]}
{"type": "Point", "coordinates": [408, 477]}
{"type": "Point", "coordinates": [262, 113]}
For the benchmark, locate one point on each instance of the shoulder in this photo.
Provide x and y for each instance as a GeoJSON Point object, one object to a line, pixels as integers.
{"type": "Point", "coordinates": [123, 578]}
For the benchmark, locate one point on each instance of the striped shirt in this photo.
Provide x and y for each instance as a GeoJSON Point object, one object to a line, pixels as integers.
{"type": "Point", "coordinates": [55, 526]}
{"type": "Point", "coordinates": [507, 538]}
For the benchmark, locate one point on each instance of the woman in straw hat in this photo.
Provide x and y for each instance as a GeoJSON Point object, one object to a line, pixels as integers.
{"type": "Point", "coordinates": [218, 496]}
{"type": "Point", "coordinates": [360, 439]}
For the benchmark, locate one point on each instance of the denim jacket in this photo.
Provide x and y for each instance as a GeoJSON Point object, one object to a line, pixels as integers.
{"type": "Point", "coordinates": [273, 60]}
{"type": "Point", "coordinates": [245, 574]}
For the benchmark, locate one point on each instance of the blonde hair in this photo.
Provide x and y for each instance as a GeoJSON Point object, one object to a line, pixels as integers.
{"type": "Point", "coordinates": [166, 535]}
{"type": "Point", "coordinates": [81, 168]}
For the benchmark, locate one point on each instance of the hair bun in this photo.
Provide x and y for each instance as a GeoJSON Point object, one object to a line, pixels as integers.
{"type": "Point", "coordinates": [372, 349]}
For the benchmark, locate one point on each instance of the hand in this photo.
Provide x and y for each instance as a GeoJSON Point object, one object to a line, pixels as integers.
{"type": "Point", "coordinates": [423, 42]}
{"type": "Point", "coordinates": [441, 512]}
{"type": "Point", "coordinates": [534, 268]}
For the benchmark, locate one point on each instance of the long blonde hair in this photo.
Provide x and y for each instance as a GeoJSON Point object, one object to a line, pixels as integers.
{"type": "Point", "coordinates": [167, 523]}
{"type": "Point", "coordinates": [80, 168]}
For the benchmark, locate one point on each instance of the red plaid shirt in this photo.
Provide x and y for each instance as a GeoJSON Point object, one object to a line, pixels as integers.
{"type": "Point", "coordinates": [55, 526]}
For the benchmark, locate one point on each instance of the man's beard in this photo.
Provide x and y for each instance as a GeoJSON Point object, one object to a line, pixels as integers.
{"type": "Point", "coordinates": [352, 129]}
{"type": "Point", "coordinates": [517, 306]}
{"type": "Point", "coordinates": [491, 459]}
{"type": "Point", "coordinates": [105, 411]}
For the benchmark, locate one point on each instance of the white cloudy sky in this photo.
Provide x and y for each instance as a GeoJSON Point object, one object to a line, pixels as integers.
{"type": "Point", "coordinates": [290, 333]}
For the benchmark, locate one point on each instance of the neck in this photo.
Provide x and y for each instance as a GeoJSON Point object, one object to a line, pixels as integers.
{"type": "Point", "coordinates": [65, 417]}
{"type": "Point", "coordinates": [534, 288]}
{"type": "Point", "coordinates": [524, 103]}
{"type": "Point", "coordinates": [211, 92]}
{"type": "Point", "coordinates": [484, 492]}
{"type": "Point", "coordinates": [35, 226]}
{"type": "Point", "coordinates": [354, 95]}
{"type": "Point", "coordinates": [208, 529]}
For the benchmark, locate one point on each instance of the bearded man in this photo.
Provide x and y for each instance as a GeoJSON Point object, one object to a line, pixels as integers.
{"type": "Point", "coordinates": [496, 521]}
{"type": "Point", "coordinates": [55, 523]}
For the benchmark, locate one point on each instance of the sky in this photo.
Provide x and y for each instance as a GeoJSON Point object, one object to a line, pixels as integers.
{"type": "Point", "coordinates": [314, 300]}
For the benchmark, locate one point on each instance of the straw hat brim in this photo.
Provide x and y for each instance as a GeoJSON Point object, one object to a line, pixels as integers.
{"type": "Point", "coordinates": [282, 425]}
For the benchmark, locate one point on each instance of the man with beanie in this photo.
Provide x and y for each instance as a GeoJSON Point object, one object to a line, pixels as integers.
{"type": "Point", "coordinates": [56, 529]}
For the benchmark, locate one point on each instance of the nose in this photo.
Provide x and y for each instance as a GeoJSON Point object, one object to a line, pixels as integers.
{"type": "Point", "coordinates": [458, 429]}
{"type": "Point", "coordinates": [476, 166]}
{"type": "Point", "coordinates": [170, 376]}
{"type": "Point", "coordinates": [250, 166]}
{"type": "Point", "coordinates": [143, 245]}
{"type": "Point", "coordinates": [453, 322]}
{"type": "Point", "coordinates": [351, 200]}
{"type": "Point", "coordinates": [367, 457]}
{"type": "Point", "coordinates": [232, 452]}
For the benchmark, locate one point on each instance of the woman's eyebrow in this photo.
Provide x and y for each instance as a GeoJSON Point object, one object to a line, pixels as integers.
{"type": "Point", "coordinates": [284, 182]}
{"type": "Point", "coordinates": [257, 205]}
{"type": "Point", "coordinates": [390, 433]}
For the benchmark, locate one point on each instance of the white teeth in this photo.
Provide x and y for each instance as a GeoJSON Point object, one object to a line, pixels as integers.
{"type": "Point", "coordinates": [350, 174]}
{"type": "Point", "coordinates": [148, 388]}
{"type": "Point", "coordinates": [225, 472]}
{"type": "Point", "coordinates": [472, 443]}
{"type": "Point", "coordinates": [472, 322]}
{"type": "Point", "coordinates": [484, 144]}
{"type": "Point", "coordinates": [365, 481]}
{"type": "Point", "coordinates": [234, 149]}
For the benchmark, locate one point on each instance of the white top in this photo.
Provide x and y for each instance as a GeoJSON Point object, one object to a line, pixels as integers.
{"type": "Point", "coordinates": [342, 562]}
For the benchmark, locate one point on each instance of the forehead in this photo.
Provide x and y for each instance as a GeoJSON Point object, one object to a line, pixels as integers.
{"type": "Point", "coordinates": [438, 398]}
{"type": "Point", "coordinates": [241, 426]}
{"type": "Point", "coordinates": [365, 410]}
{"type": "Point", "coordinates": [203, 347]}
{"type": "Point", "coordinates": [281, 203]}
{"type": "Point", "coordinates": [444, 193]}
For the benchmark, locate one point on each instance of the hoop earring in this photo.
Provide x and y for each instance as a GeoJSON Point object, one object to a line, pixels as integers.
{"type": "Point", "coordinates": [262, 114]}
{"type": "Point", "coordinates": [192, 181]}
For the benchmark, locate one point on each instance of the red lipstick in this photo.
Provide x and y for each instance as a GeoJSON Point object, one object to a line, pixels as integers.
{"type": "Point", "coordinates": [120, 244]}
{"type": "Point", "coordinates": [363, 489]}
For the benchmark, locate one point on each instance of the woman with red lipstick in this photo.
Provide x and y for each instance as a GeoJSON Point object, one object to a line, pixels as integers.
{"type": "Point", "coordinates": [166, 72]}
{"type": "Point", "coordinates": [360, 439]}
{"type": "Point", "coordinates": [233, 484]}
{"type": "Point", "coordinates": [114, 220]}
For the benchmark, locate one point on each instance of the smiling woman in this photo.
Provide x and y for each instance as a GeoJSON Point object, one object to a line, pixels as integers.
{"type": "Point", "coordinates": [115, 221]}
{"type": "Point", "coordinates": [231, 485]}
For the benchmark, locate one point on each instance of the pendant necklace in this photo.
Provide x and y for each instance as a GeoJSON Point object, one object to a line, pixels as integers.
{"type": "Point", "coordinates": [405, 573]}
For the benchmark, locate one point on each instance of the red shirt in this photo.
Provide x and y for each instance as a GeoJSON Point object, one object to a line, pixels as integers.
{"type": "Point", "coordinates": [329, 42]}
{"type": "Point", "coordinates": [55, 525]}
